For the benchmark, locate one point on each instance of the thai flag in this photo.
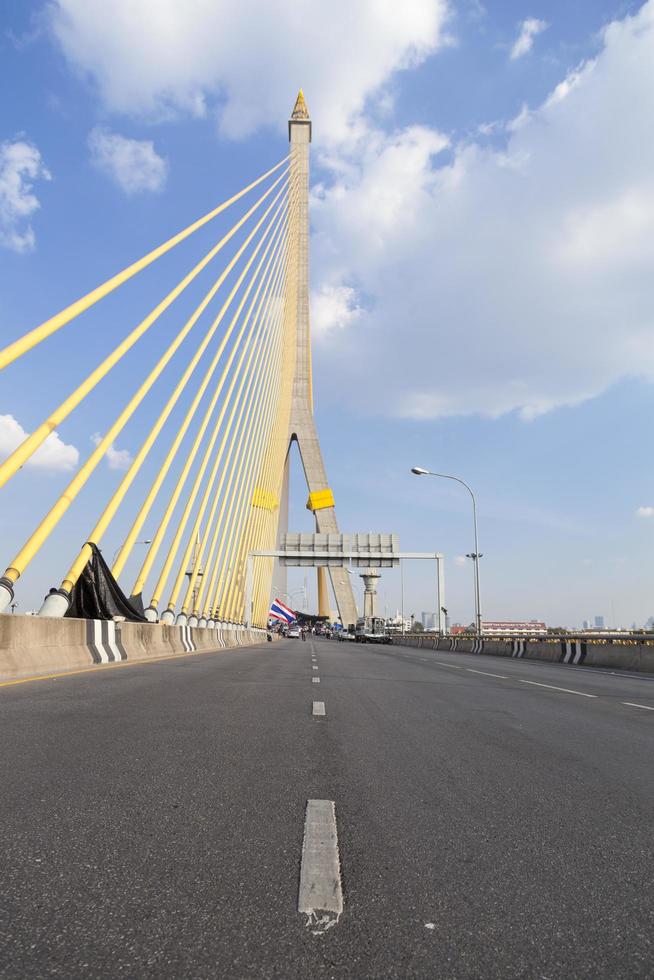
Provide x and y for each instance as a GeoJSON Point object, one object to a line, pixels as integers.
{"type": "Point", "coordinates": [281, 612]}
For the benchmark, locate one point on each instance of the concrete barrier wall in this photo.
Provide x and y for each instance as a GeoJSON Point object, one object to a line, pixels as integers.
{"type": "Point", "coordinates": [31, 645]}
{"type": "Point", "coordinates": [616, 656]}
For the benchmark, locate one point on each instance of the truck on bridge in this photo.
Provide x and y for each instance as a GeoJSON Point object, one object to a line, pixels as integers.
{"type": "Point", "coordinates": [371, 629]}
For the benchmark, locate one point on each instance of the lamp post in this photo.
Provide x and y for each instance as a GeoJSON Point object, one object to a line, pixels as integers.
{"type": "Point", "coordinates": [475, 555]}
{"type": "Point", "coordinates": [145, 541]}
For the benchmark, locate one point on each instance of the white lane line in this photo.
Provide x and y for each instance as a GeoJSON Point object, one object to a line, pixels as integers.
{"type": "Point", "coordinates": [318, 709]}
{"type": "Point", "coordinates": [502, 677]}
{"type": "Point", "coordinates": [314, 668]}
{"type": "Point", "coordinates": [320, 896]}
{"type": "Point", "coordinates": [632, 704]}
{"type": "Point", "coordinates": [315, 680]}
{"type": "Point", "coordinates": [566, 690]}
{"type": "Point", "coordinates": [441, 663]}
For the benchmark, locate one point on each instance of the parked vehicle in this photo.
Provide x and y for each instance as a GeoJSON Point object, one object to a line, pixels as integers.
{"type": "Point", "coordinates": [293, 633]}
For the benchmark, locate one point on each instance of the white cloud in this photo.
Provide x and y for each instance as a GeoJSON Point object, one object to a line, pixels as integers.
{"type": "Point", "coordinates": [334, 308]}
{"type": "Point", "coordinates": [53, 455]}
{"type": "Point", "coordinates": [529, 29]}
{"type": "Point", "coordinates": [117, 459]}
{"type": "Point", "coordinates": [20, 165]}
{"type": "Point", "coordinates": [645, 512]}
{"type": "Point", "coordinates": [134, 164]}
{"type": "Point", "coordinates": [492, 280]}
{"type": "Point", "coordinates": [245, 58]}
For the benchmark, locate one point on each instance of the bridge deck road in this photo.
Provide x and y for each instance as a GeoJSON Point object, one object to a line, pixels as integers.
{"type": "Point", "coordinates": [494, 817]}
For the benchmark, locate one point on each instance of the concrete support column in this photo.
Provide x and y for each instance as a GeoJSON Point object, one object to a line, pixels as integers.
{"type": "Point", "coordinates": [370, 577]}
{"type": "Point", "coordinates": [323, 593]}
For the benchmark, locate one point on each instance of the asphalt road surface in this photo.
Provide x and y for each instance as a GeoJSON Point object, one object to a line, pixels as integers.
{"type": "Point", "coordinates": [494, 818]}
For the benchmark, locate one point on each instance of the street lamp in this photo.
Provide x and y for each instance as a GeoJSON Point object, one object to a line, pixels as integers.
{"type": "Point", "coordinates": [300, 591]}
{"type": "Point", "coordinates": [146, 541]}
{"type": "Point", "coordinates": [475, 555]}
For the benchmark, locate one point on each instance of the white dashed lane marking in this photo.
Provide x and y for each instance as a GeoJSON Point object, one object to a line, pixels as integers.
{"type": "Point", "coordinates": [566, 690]}
{"type": "Point", "coordinates": [314, 668]}
{"type": "Point", "coordinates": [319, 709]}
{"type": "Point", "coordinates": [315, 680]}
{"type": "Point", "coordinates": [486, 673]}
{"type": "Point", "coordinates": [521, 680]}
{"type": "Point", "coordinates": [320, 896]}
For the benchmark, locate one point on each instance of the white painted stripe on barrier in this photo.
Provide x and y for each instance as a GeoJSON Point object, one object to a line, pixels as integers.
{"type": "Point", "coordinates": [111, 642]}
{"type": "Point", "coordinates": [320, 896]}
{"type": "Point", "coordinates": [187, 641]}
{"type": "Point", "coordinates": [98, 641]}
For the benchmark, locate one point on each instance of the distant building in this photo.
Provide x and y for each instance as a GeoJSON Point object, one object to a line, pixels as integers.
{"type": "Point", "coordinates": [429, 620]}
{"type": "Point", "coordinates": [394, 624]}
{"type": "Point", "coordinates": [457, 629]}
{"type": "Point", "coordinates": [599, 622]}
{"type": "Point", "coordinates": [586, 624]}
{"type": "Point", "coordinates": [533, 628]}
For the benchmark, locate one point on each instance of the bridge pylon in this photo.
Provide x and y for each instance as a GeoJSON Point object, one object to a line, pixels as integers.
{"type": "Point", "coordinates": [302, 429]}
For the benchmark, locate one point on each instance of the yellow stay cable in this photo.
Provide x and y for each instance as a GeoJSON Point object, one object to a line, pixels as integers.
{"type": "Point", "coordinates": [237, 510]}
{"type": "Point", "coordinates": [261, 411]}
{"type": "Point", "coordinates": [119, 495]}
{"type": "Point", "coordinates": [241, 498]}
{"type": "Point", "coordinates": [276, 452]}
{"type": "Point", "coordinates": [177, 538]}
{"type": "Point", "coordinates": [163, 525]}
{"type": "Point", "coordinates": [248, 442]}
{"type": "Point", "coordinates": [252, 520]}
{"type": "Point", "coordinates": [224, 589]}
{"type": "Point", "coordinates": [29, 445]}
{"type": "Point", "coordinates": [219, 455]}
{"type": "Point", "coordinates": [263, 533]}
{"type": "Point", "coordinates": [48, 327]}
{"type": "Point", "coordinates": [226, 474]}
{"type": "Point", "coordinates": [130, 540]}
{"type": "Point", "coordinates": [45, 528]}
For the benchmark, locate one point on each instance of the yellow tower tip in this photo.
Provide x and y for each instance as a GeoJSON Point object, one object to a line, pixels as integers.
{"type": "Point", "coordinates": [300, 110]}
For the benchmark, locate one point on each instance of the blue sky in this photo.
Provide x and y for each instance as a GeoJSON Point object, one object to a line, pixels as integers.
{"type": "Point", "coordinates": [483, 221]}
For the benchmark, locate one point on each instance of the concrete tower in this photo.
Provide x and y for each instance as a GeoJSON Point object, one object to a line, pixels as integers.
{"type": "Point", "coordinates": [302, 424]}
{"type": "Point", "coordinates": [370, 577]}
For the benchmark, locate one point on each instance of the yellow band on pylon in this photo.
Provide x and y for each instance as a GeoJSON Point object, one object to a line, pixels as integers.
{"type": "Point", "coordinates": [265, 499]}
{"type": "Point", "coordinates": [320, 499]}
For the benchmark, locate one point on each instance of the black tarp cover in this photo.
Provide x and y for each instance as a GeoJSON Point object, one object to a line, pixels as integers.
{"type": "Point", "coordinates": [97, 595]}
